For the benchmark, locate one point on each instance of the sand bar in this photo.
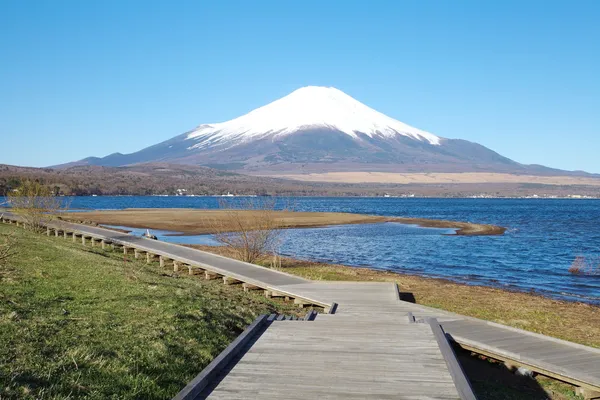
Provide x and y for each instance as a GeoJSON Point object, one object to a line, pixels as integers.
{"type": "Point", "coordinates": [197, 222]}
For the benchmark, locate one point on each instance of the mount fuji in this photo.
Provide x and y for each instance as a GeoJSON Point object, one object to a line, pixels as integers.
{"type": "Point", "coordinates": [319, 129]}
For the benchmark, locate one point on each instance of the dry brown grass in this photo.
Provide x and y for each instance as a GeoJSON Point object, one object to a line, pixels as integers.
{"type": "Point", "coordinates": [198, 222]}
{"type": "Point", "coordinates": [576, 322]}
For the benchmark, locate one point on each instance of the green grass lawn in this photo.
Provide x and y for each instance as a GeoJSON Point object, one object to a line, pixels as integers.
{"type": "Point", "coordinates": [77, 322]}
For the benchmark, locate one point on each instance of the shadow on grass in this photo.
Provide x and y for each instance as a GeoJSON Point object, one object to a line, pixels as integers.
{"type": "Point", "coordinates": [26, 379]}
{"type": "Point", "coordinates": [492, 380]}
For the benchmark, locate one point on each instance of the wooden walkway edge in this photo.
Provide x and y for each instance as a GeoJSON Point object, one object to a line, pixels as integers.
{"type": "Point", "coordinates": [195, 387]}
{"type": "Point", "coordinates": [458, 375]}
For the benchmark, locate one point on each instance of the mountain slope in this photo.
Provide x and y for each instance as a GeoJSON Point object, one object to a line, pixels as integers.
{"type": "Point", "coordinates": [318, 129]}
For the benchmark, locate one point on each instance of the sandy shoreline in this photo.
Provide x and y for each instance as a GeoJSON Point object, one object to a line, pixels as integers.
{"type": "Point", "coordinates": [199, 222]}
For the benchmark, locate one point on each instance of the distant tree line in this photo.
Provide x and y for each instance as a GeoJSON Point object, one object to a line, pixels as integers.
{"type": "Point", "coordinates": [165, 179]}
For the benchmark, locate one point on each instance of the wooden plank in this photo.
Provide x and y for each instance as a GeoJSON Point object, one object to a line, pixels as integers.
{"type": "Point", "coordinates": [340, 359]}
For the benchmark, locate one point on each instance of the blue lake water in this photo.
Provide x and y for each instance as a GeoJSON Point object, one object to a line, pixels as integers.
{"type": "Point", "coordinates": [544, 236]}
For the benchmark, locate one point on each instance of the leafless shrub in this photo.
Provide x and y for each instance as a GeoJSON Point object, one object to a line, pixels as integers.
{"type": "Point", "coordinates": [275, 259]}
{"type": "Point", "coordinates": [585, 266]}
{"type": "Point", "coordinates": [35, 203]}
{"type": "Point", "coordinates": [249, 228]}
{"type": "Point", "coordinates": [7, 249]}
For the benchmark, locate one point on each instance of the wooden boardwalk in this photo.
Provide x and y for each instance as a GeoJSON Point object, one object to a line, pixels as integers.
{"type": "Point", "coordinates": [339, 358]}
{"type": "Point", "coordinates": [367, 336]}
{"type": "Point", "coordinates": [355, 353]}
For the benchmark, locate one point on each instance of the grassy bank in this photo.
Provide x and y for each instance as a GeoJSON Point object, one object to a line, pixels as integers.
{"type": "Point", "coordinates": [78, 322]}
{"type": "Point", "coordinates": [198, 222]}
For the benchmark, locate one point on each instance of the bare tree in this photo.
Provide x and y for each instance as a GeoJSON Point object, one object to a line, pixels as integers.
{"type": "Point", "coordinates": [249, 228]}
{"type": "Point", "coordinates": [7, 249]}
{"type": "Point", "coordinates": [35, 203]}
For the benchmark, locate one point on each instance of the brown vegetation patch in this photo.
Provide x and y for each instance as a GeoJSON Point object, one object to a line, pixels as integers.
{"type": "Point", "coordinates": [463, 228]}
{"type": "Point", "coordinates": [198, 222]}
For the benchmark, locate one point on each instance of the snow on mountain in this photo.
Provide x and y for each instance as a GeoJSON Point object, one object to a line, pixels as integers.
{"type": "Point", "coordinates": [310, 107]}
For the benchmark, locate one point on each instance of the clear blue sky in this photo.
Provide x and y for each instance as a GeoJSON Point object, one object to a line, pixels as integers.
{"type": "Point", "coordinates": [81, 78]}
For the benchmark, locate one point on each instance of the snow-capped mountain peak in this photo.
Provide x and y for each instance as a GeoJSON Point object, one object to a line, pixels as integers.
{"type": "Point", "coordinates": [311, 107]}
{"type": "Point", "coordinates": [318, 130]}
